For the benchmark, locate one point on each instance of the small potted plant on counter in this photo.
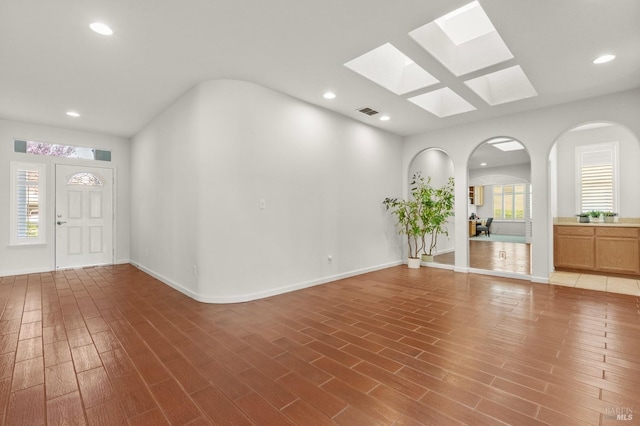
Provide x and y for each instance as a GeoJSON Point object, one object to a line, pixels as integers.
{"type": "Point", "coordinates": [609, 217]}
{"type": "Point", "coordinates": [583, 217]}
{"type": "Point", "coordinates": [594, 216]}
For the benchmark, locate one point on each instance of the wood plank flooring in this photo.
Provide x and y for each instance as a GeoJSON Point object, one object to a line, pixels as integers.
{"type": "Point", "coordinates": [112, 345]}
{"type": "Point", "coordinates": [495, 256]}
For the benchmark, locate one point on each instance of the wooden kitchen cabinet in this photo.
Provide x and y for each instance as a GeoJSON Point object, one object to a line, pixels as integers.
{"type": "Point", "coordinates": [573, 247]}
{"type": "Point", "coordinates": [606, 249]}
{"type": "Point", "coordinates": [476, 195]}
{"type": "Point", "coordinates": [616, 250]}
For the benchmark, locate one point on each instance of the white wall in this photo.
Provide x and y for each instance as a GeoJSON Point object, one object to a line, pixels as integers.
{"type": "Point", "coordinates": [200, 170]}
{"type": "Point", "coordinates": [30, 259]}
{"type": "Point", "coordinates": [629, 167]}
{"type": "Point", "coordinates": [436, 164]}
{"type": "Point", "coordinates": [538, 131]}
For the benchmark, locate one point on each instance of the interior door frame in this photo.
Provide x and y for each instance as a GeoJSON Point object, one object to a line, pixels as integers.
{"type": "Point", "coordinates": [113, 210]}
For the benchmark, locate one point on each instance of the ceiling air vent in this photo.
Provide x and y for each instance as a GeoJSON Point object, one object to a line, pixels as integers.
{"type": "Point", "coordinates": [368, 111]}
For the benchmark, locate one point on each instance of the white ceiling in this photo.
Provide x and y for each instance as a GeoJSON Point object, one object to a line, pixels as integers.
{"type": "Point", "coordinates": [50, 62]}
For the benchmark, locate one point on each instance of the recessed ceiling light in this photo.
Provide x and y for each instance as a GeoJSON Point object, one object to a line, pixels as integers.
{"type": "Point", "coordinates": [483, 164]}
{"type": "Point", "coordinates": [329, 95]}
{"type": "Point", "coordinates": [385, 118]}
{"type": "Point", "coordinates": [73, 114]}
{"type": "Point", "coordinates": [101, 28]}
{"type": "Point", "coordinates": [604, 59]}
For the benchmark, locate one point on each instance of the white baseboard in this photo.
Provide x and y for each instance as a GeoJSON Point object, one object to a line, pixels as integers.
{"type": "Point", "coordinates": [500, 274]}
{"type": "Point", "coordinates": [238, 298]}
{"type": "Point", "coordinates": [24, 272]}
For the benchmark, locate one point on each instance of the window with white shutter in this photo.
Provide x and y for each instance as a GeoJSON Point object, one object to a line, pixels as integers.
{"type": "Point", "coordinates": [27, 203]}
{"type": "Point", "coordinates": [597, 177]}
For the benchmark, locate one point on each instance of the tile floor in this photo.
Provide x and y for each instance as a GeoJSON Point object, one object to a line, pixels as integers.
{"type": "Point", "coordinates": [596, 282]}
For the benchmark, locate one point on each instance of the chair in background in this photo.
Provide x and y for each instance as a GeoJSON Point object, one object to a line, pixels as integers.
{"type": "Point", "coordinates": [486, 228]}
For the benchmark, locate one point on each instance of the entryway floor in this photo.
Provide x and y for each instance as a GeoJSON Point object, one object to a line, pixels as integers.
{"type": "Point", "coordinates": [596, 282]}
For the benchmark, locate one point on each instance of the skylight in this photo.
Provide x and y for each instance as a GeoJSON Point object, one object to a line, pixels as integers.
{"type": "Point", "coordinates": [465, 24]}
{"type": "Point", "coordinates": [464, 40]}
{"type": "Point", "coordinates": [507, 85]}
{"type": "Point", "coordinates": [590, 126]}
{"type": "Point", "coordinates": [508, 146]}
{"type": "Point", "coordinates": [442, 102]}
{"type": "Point", "coordinates": [391, 69]}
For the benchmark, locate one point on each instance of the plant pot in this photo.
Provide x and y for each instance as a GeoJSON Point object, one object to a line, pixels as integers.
{"type": "Point", "coordinates": [584, 219]}
{"type": "Point", "coordinates": [594, 219]}
{"type": "Point", "coordinates": [413, 262]}
{"type": "Point", "coordinates": [608, 219]}
{"type": "Point", "coordinates": [427, 258]}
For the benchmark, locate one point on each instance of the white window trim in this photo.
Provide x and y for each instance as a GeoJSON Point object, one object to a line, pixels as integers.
{"type": "Point", "coordinates": [14, 240]}
{"type": "Point", "coordinates": [525, 193]}
{"type": "Point", "coordinates": [614, 146]}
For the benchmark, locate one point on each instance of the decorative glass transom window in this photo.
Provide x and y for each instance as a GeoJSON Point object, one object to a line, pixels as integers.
{"type": "Point", "coordinates": [58, 150]}
{"type": "Point", "coordinates": [85, 179]}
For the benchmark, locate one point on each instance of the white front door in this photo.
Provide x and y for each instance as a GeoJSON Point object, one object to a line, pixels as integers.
{"type": "Point", "coordinates": [84, 216]}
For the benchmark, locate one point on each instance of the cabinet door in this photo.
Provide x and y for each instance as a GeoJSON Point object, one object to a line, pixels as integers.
{"type": "Point", "coordinates": [478, 195]}
{"type": "Point", "coordinates": [619, 255]}
{"type": "Point", "coordinates": [573, 251]}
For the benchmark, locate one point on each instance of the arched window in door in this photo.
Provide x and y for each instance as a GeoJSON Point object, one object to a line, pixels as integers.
{"type": "Point", "coordinates": [85, 179]}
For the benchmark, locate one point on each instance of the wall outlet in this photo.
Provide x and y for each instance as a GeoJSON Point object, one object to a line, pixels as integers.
{"type": "Point", "coordinates": [195, 270]}
{"type": "Point", "coordinates": [262, 203]}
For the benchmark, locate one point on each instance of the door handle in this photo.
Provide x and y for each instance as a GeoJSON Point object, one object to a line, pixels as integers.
{"type": "Point", "coordinates": [60, 222]}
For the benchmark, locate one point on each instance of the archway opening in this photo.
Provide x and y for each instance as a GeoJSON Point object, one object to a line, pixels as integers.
{"type": "Point", "coordinates": [609, 152]}
{"type": "Point", "coordinates": [436, 165]}
{"type": "Point", "coordinates": [499, 207]}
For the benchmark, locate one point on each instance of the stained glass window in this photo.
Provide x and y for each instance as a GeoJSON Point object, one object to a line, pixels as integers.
{"type": "Point", "coordinates": [85, 179]}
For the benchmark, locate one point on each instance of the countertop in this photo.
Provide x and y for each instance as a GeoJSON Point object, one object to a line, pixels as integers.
{"type": "Point", "coordinates": [622, 222]}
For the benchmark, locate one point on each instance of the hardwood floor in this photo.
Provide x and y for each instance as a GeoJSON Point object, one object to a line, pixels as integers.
{"type": "Point", "coordinates": [495, 256]}
{"type": "Point", "coordinates": [112, 345]}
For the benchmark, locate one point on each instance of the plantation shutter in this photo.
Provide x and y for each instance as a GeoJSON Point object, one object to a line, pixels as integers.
{"type": "Point", "coordinates": [597, 177]}
{"type": "Point", "coordinates": [27, 203]}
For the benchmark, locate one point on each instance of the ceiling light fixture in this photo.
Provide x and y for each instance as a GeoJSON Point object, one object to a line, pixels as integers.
{"type": "Point", "coordinates": [329, 95]}
{"type": "Point", "coordinates": [385, 118]}
{"type": "Point", "coordinates": [101, 28]}
{"type": "Point", "coordinates": [73, 114]}
{"type": "Point", "coordinates": [604, 59]}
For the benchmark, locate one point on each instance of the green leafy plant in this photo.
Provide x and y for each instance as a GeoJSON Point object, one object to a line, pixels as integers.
{"type": "Point", "coordinates": [609, 214]}
{"type": "Point", "coordinates": [595, 213]}
{"type": "Point", "coordinates": [408, 218]}
{"type": "Point", "coordinates": [424, 214]}
{"type": "Point", "coordinates": [436, 207]}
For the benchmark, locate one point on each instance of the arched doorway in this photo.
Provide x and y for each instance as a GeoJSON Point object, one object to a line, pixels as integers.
{"type": "Point", "coordinates": [499, 172]}
{"type": "Point", "coordinates": [600, 146]}
{"type": "Point", "coordinates": [436, 164]}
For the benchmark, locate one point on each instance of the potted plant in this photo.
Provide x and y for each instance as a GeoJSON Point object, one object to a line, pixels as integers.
{"type": "Point", "coordinates": [594, 215]}
{"type": "Point", "coordinates": [609, 217]}
{"type": "Point", "coordinates": [583, 217]}
{"type": "Point", "coordinates": [408, 218]}
{"type": "Point", "coordinates": [436, 208]}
